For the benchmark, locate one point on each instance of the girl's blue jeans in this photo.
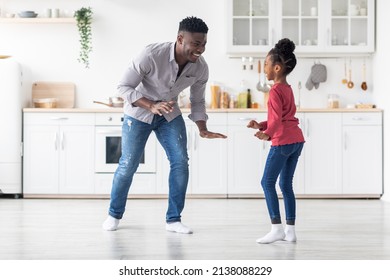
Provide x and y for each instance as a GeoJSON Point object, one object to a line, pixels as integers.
{"type": "Point", "coordinates": [281, 161]}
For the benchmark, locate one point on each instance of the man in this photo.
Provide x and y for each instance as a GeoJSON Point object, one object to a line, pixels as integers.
{"type": "Point", "coordinates": [150, 88]}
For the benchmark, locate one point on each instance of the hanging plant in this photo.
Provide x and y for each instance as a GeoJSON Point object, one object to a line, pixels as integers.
{"type": "Point", "coordinates": [83, 18]}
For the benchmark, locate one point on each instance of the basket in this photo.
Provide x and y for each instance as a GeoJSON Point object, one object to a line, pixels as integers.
{"type": "Point", "coordinates": [45, 102]}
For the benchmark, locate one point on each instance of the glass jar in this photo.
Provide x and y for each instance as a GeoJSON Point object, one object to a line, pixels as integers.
{"type": "Point", "coordinates": [333, 101]}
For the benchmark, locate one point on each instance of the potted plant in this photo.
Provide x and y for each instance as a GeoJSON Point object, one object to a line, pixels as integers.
{"type": "Point", "coordinates": [83, 18]}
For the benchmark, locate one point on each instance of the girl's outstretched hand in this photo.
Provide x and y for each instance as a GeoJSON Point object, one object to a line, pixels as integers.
{"type": "Point", "coordinates": [253, 124]}
{"type": "Point", "coordinates": [262, 135]}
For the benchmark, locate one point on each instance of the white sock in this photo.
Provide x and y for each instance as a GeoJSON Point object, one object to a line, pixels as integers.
{"type": "Point", "coordinates": [276, 234]}
{"type": "Point", "coordinates": [178, 227]}
{"type": "Point", "coordinates": [111, 224]}
{"type": "Point", "coordinates": [290, 233]}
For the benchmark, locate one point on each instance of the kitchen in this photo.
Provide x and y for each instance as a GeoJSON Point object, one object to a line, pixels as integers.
{"type": "Point", "coordinates": [48, 52]}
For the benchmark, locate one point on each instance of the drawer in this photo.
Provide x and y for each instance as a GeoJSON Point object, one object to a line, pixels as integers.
{"type": "Point", "coordinates": [362, 118]}
{"type": "Point", "coordinates": [109, 119]}
{"type": "Point", "coordinates": [59, 118]}
{"type": "Point", "coordinates": [242, 119]}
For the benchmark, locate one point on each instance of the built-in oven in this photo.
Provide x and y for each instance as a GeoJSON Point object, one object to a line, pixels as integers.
{"type": "Point", "coordinates": [108, 141]}
{"type": "Point", "coordinates": [108, 130]}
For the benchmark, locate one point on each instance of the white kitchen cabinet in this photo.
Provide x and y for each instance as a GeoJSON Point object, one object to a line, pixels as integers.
{"type": "Point", "coordinates": [342, 156]}
{"type": "Point", "coordinates": [251, 26]}
{"type": "Point", "coordinates": [207, 159]}
{"type": "Point", "coordinates": [58, 153]}
{"type": "Point", "coordinates": [322, 153]}
{"type": "Point", "coordinates": [301, 21]}
{"type": "Point", "coordinates": [317, 27]}
{"type": "Point", "coordinates": [362, 154]}
{"type": "Point", "coordinates": [247, 155]}
{"type": "Point", "coordinates": [350, 26]}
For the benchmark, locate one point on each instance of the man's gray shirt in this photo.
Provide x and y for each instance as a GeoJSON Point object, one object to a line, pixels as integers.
{"type": "Point", "coordinates": [153, 75]}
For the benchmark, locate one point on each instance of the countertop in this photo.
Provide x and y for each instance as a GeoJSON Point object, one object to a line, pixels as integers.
{"type": "Point", "coordinates": [186, 110]}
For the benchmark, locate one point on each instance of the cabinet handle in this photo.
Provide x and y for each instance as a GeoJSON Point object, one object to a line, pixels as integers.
{"type": "Point", "coordinates": [358, 119]}
{"type": "Point", "coordinates": [62, 140]}
{"type": "Point", "coordinates": [59, 118]}
{"type": "Point", "coordinates": [56, 141]}
{"type": "Point", "coordinates": [246, 119]}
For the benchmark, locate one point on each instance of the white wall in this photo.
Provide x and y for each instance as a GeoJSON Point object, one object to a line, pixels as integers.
{"type": "Point", "coordinates": [381, 95]}
{"type": "Point", "coordinates": [121, 28]}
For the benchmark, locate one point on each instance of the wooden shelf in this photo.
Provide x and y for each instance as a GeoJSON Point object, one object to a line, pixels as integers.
{"type": "Point", "coordinates": [37, 20]}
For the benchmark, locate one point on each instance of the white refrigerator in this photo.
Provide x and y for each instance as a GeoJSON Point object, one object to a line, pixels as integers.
{"type": "Point", "coordinates": [11, 128]}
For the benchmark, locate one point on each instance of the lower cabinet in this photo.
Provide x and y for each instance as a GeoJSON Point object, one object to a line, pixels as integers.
{"type": "Point", "coordinates": [342, 157]}
{"type": "Point", "coordinates": [343, 154]}
{"type": "Point", "coordinates": [322, 157]}
{"type": "Point", "coordinates": [207, 159]}
{"type": "Point", "coordinates": [362, 154]}
{"type": "Point", "coordinates": [58, 153]}
{"type": "Point", "coordinates": [246, 155]}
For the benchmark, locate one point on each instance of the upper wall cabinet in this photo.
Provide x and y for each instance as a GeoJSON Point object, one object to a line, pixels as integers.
{"type": "Point", "coordinates": [317, 27]}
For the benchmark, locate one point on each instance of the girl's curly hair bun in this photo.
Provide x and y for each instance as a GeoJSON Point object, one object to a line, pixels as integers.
{"type": "Point", "coordinates": [283, 53]}
{"type": "Point", "coordinates": [285, 46]}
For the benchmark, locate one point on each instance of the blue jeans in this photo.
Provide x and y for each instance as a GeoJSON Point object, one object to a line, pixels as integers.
{"type": "Point", "coordinates": [282, 160]}
{"type": "Point", "coordinates": [173, 138]}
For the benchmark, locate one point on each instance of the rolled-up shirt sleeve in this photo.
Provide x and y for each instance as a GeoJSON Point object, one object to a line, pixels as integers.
{"type": "Point", "coordinates": [197, 97]}
{"type": "Point", "coordinates": [132, 77]}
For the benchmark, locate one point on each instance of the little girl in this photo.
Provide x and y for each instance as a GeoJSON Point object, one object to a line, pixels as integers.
{"type": "Point", "coordinates": [281, 128]}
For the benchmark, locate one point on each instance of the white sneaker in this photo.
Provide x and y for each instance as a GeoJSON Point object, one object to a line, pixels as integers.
{"type": "Point", "coordinates": [178, 227]}
{"type": "Point", "coordinates": [110, 224]}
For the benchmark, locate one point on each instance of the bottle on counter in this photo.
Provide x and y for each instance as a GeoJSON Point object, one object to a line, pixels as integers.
{"type": "Point", "coordinates": [249, 99]}
{"type": "Point", "coordinates": [242, 101]}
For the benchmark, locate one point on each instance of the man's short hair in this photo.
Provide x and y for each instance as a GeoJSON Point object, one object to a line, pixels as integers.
{"type": "Point", "coordinates": [193, 25]}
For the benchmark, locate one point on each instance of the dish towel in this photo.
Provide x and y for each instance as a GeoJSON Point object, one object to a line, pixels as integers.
{"type": "Point", "coordinates": [318, 75]}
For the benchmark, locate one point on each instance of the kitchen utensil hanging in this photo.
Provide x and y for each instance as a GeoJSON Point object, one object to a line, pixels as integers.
{"type": "Point", "coordinates": [364, 83]}
{"type": "Point", "coordinates": [350, 83]}
{"type": "Point", "coordinates": [259, 85]}
{"type": "Point", "coordinates": [243, 63]}
{"type": "Point", "coordinates": [345, 80]}
{"type": "Point", "coordinates": [266, 86]}
{"type": "Point", "coordinates": [262, 85]}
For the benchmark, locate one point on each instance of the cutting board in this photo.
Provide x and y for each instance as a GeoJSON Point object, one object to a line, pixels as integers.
{"type": "Point", "coordinates": [63, 91]}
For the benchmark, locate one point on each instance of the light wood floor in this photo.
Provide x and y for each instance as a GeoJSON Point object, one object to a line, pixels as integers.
{"type": "Point", "coordinates": [224, 229]}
